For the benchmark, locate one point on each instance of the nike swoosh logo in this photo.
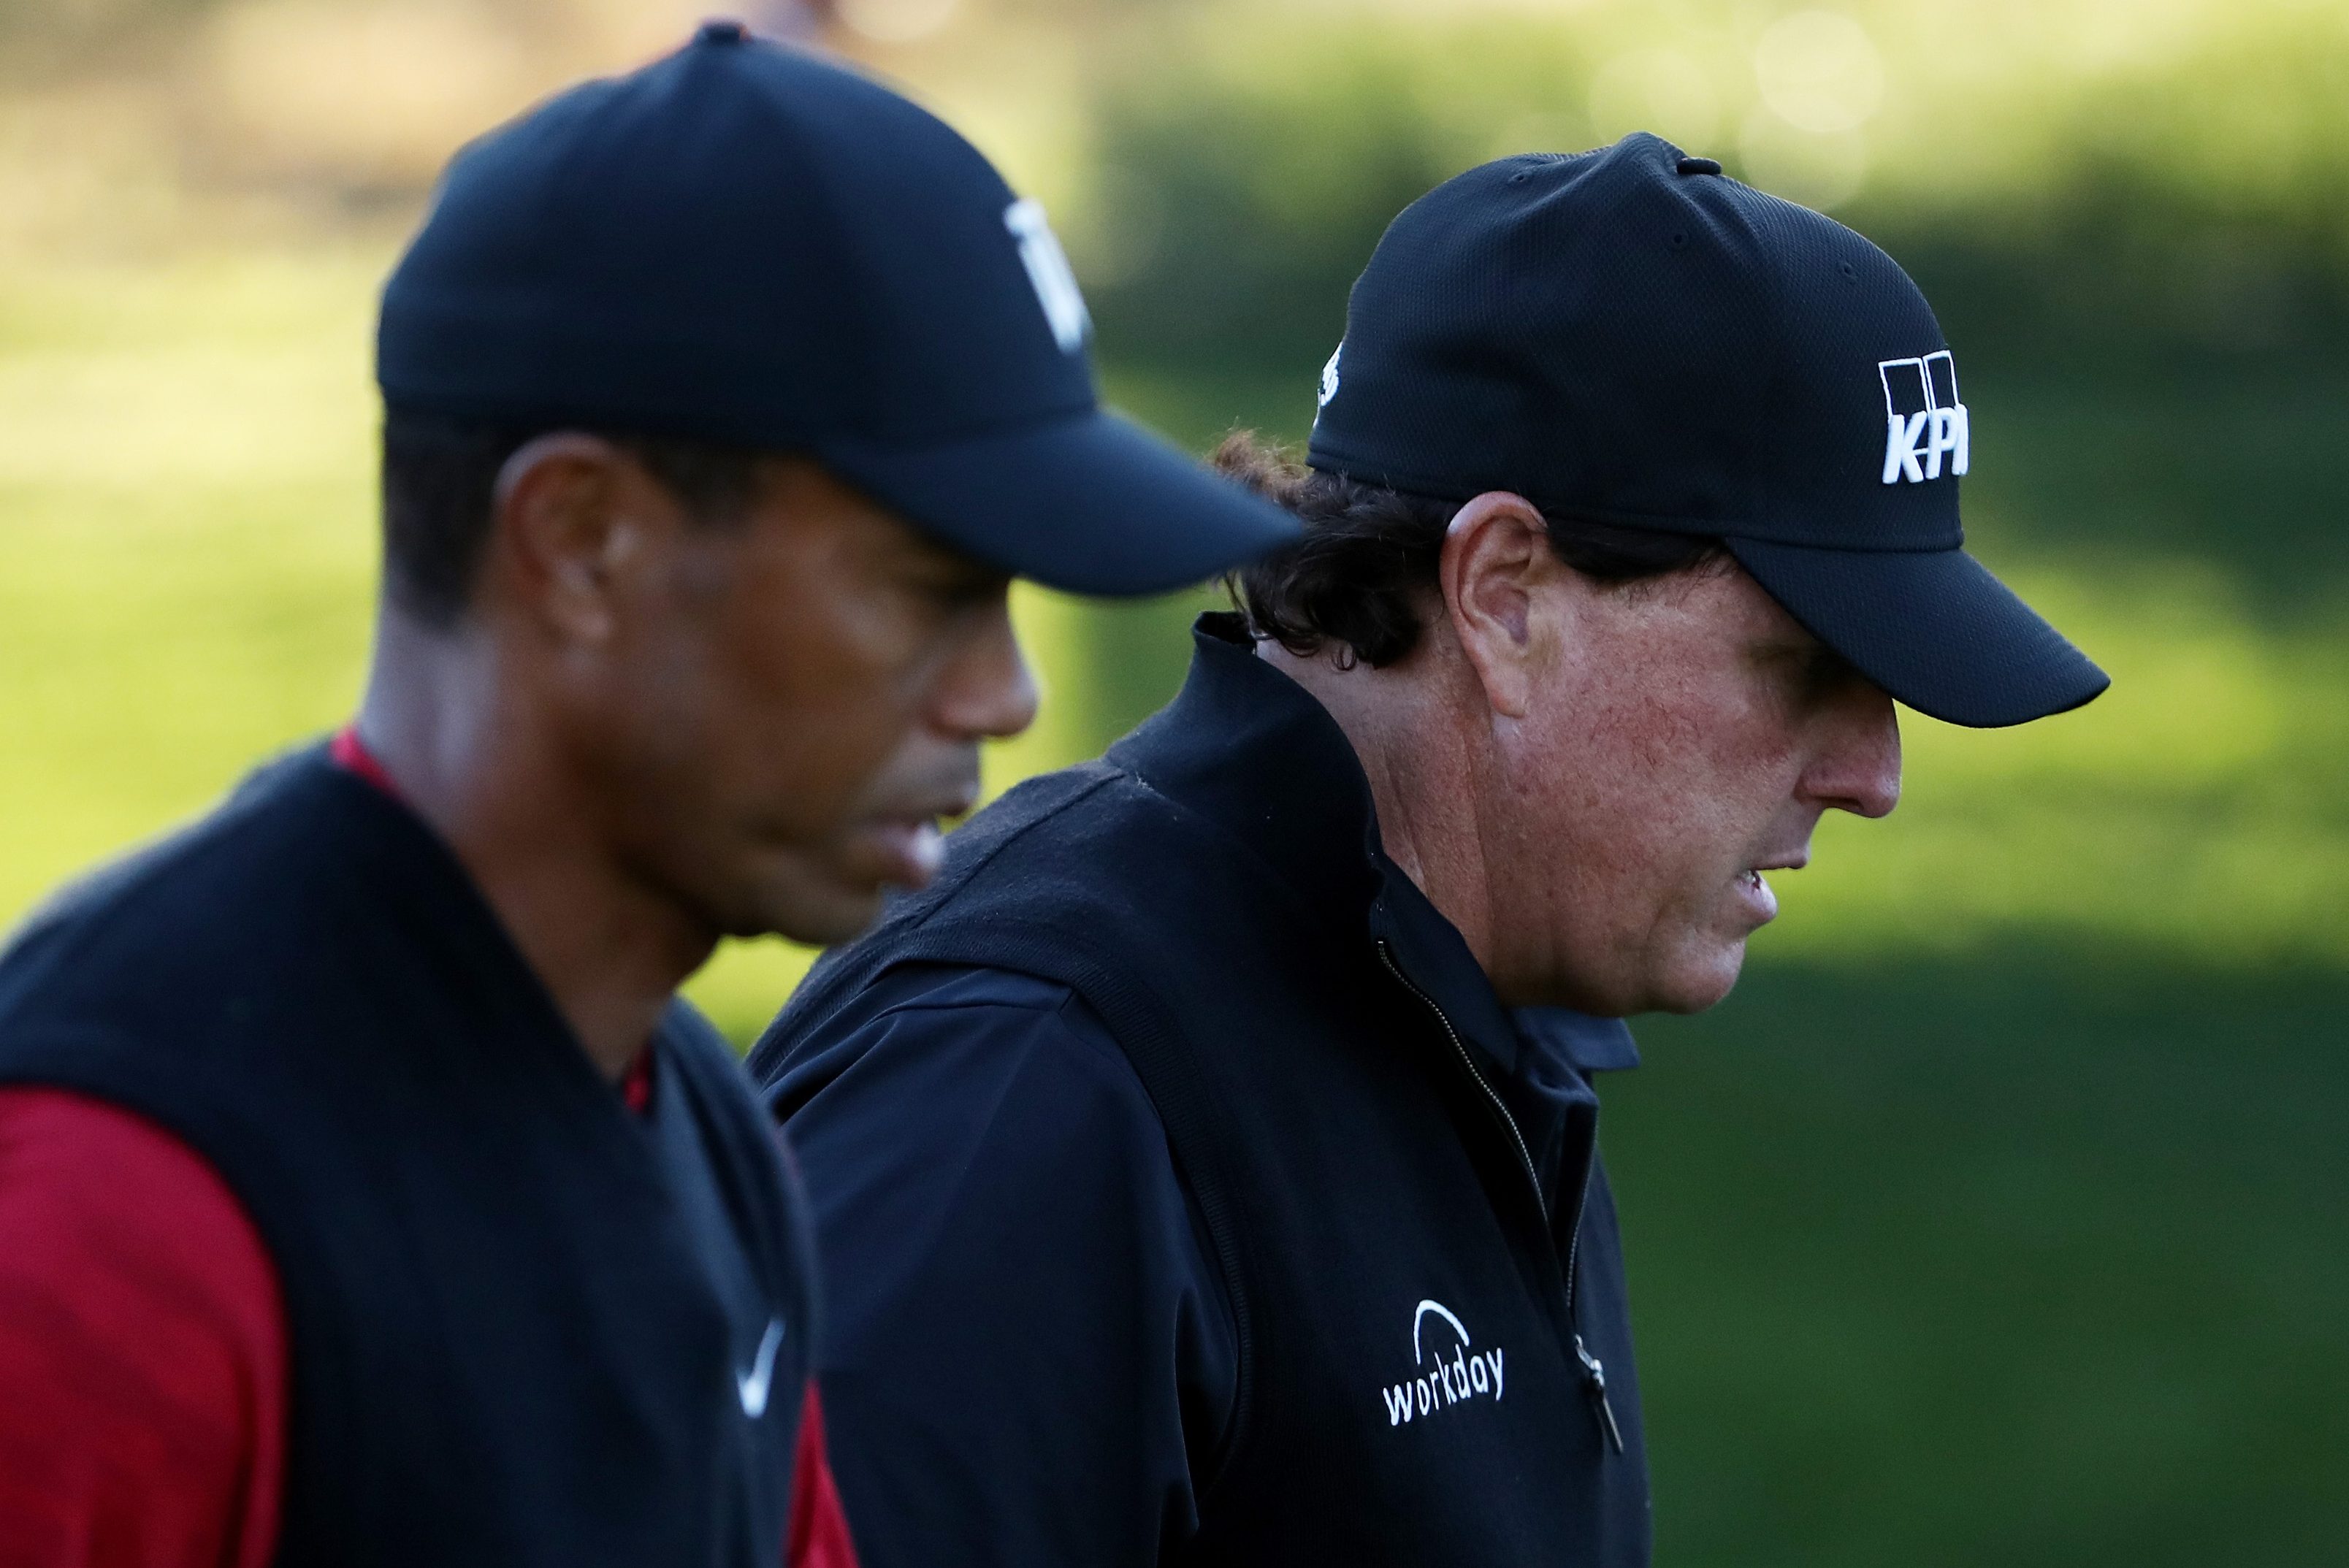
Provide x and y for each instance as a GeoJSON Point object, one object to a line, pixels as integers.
{"type": "Point", "coordinates": [752, 1385]}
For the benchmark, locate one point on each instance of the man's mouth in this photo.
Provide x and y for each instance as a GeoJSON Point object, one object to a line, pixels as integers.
{"type": "Point", "coordinates": [1755, 887]}
{"type": "Point", "coordinates": [911, 849]}
{"type": "Point", "coordinates": [914, 843]}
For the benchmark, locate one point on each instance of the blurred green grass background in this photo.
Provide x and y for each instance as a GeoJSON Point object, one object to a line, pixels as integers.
{"type": "Point", "coordinates": [1998, 1215]}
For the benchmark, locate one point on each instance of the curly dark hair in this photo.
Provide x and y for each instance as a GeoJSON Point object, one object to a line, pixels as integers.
{"type": "Point", "coordinates": [1360, 575]}
{"type": "Point", "coordinates": [440, 477]}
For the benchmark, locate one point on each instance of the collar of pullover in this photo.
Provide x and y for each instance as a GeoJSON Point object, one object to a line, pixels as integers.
{"type": "Point", "coordinates": [1251, 750]}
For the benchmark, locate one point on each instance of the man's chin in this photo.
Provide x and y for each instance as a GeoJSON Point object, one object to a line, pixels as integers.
{"type": "Point", "coordinates": [815, 916]}
{"type": "Point", "coordinates": [1701, 981]}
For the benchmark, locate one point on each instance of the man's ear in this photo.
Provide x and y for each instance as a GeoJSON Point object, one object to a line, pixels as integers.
{"type": "Point", "coordinates": [569, 514]}
{"type": "Point", "coordinates": [1495, 551]}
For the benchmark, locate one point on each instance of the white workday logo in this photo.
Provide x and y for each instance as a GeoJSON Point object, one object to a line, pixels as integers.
{"type": "Point", "coordinates": [1048, 270]}
{"type": "Point", "coordinates": [1924, 423]}
{"type": "Point", "coordinates": [1449, 1371]}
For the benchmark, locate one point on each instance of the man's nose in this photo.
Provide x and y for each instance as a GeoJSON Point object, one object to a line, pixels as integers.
{"type": "Point", "coordinates": [988, 692]}
{"type": "Point", "coordinates": [1859, 769]}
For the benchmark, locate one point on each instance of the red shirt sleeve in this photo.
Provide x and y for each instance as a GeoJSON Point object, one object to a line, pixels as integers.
{"type": "Point", "coordinates": [142, 1350]}
{"type": "Point", "coordinates": [818, 1537]}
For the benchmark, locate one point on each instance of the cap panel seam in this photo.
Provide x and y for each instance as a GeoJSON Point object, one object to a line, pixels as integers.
{"type": "Point", "coordinates": [1775, 294]}
{"type": "Point", "coordinates": [815, 178]}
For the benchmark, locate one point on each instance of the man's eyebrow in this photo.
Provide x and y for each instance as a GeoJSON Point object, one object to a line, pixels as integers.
{"type": "Point", "coordinates": [1821, 661]}
{"type": "Point", "coordinates": [954, 574]}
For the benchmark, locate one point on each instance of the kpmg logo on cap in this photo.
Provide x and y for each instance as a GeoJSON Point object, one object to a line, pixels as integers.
{"type": "Point", "coordinates": [1924, 423]}
{"type": "Point", "coordinates": [1048, 270]}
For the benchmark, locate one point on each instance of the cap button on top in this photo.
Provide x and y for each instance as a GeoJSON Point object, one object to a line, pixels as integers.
{"type": "Point", "coordinates": [721, 30]}
{"type": "Point", "coordinates": [1696, 166]}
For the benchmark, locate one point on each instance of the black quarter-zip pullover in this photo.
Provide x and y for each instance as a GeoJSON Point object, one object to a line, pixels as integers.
{"type": "Point", "coordinates": [1411, 1343]}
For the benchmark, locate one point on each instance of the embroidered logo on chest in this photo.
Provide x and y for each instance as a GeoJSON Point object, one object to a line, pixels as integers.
{"type": "Point", "coordinates": [1448, 1367]}
{"type": "Point", "coordinates": [754, 1385]}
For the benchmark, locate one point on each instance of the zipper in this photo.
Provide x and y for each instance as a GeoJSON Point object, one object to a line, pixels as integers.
{"type": "Point", "coordinates": [1574, 1238]}
{"type": "Point", "coordinates": [1500, 1108]}
{"type": "Point", "coordinates": [1594, 1371]}
{"type": "Point", "coordinates": [1594, 1382]}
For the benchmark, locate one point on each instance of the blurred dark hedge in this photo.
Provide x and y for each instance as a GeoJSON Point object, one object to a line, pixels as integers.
{"type": "Point", "coordinates": [2183, 217]}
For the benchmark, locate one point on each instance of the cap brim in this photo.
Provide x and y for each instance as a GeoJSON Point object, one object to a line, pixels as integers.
{"type": "Point", "coordinates": [1933, 628]}
{"type": "Point", "coordinates": [1091, 504]}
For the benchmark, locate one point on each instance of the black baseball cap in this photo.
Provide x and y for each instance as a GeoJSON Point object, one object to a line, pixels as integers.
{"type": "Point", "coordinates": [742, 244]}
{"type": "Point", "coordinates": [1629, 337]}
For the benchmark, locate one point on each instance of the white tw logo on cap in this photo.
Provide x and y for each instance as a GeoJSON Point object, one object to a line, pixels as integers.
{"type": "Point", "coordinates": [1048, 270]}
{"type": "Point", "coordinates": [1924, 423]}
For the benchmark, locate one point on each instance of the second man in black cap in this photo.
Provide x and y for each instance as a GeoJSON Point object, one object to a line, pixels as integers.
{"type": "Point", "coordinates": [1207, 1162]}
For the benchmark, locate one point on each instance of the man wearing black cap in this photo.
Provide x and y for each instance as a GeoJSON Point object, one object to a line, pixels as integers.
{"type": "Point", "coordinates": [1206, 1162]}
{"type": "Point", "coordinates": [365, 1196]}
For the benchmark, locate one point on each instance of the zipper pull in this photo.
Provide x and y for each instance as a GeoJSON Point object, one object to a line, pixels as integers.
{"type": "Point", "coordinates": [1594, 1381]}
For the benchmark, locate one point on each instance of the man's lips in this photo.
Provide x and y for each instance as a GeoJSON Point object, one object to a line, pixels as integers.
{"type": "Point", "coordinates": [912, 849]}
{"type": "Point", "coordinates": [1760, 901]}
{"type": "Point", "coordinates": [911, 843]}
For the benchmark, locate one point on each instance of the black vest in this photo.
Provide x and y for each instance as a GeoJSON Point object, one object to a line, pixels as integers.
{"type": "Point", "coordinates": [1411, 1390]}
{"type": "Point", "coordinates": [510, 1342]}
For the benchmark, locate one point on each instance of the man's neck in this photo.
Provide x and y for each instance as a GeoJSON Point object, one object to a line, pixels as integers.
{"type": "Point", "coordinates": [1405, 730]}
{"type": "Point", "coordinates": [480, 767]}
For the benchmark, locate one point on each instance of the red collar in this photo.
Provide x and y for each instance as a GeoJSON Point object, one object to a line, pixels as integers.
{"type": "Point", "coordinates": [350, 753]}
{"type": "Point", "coordinates": [636, 1083]}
